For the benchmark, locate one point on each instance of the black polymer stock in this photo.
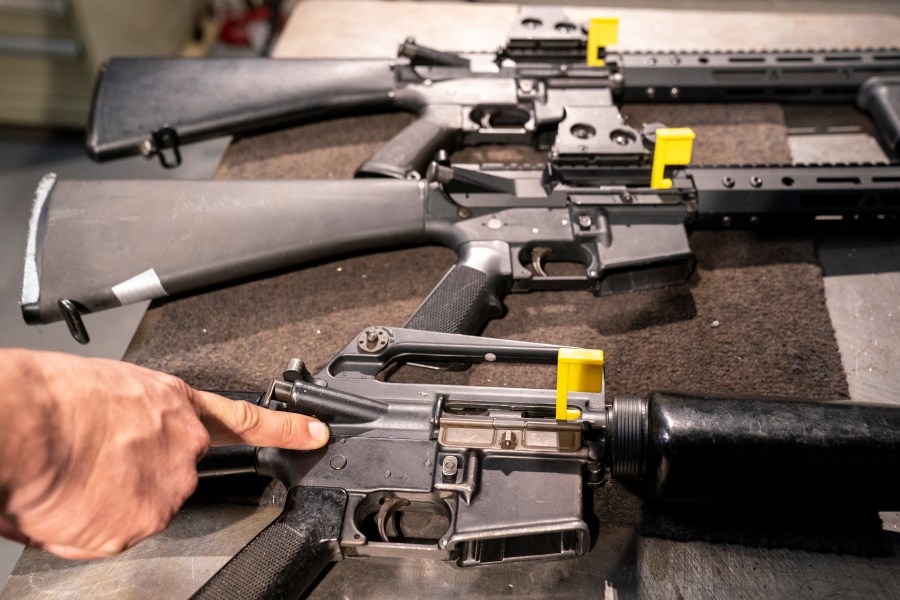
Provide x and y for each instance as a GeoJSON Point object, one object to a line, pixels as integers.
{"type": "Point", "coordinates": [462, 455]}
{"type": "Point", "coordinates": [593, 204]}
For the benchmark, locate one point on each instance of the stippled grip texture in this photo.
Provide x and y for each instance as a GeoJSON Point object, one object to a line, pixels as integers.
{"type": "Point", "coordinates": [288, 555]}
{"type": "Point", "coordinates": [463, 301]}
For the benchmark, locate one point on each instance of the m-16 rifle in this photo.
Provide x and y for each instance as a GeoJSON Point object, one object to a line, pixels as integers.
{"type": "Point", "coordinates": [480, 475]}
{"type": "Point", "coordinates": [94, 245]}
{"type": "Point", "coordinates": [614, 200]}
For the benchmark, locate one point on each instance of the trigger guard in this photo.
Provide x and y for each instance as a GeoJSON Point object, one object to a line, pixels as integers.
{"type": "Point", "coordinates": [392, 506]}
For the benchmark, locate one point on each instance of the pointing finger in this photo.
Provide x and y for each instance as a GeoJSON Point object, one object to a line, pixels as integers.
{"type": "Point", "coordinates": [231, 422]}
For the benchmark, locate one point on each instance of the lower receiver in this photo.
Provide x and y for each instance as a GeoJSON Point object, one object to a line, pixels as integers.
{"type": "Point", "coordinates": [484, 475]}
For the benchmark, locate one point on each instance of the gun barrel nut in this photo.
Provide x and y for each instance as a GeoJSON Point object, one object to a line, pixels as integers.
{"type": "Point", "coordinates": [627, 436]}
{"type": "Point", "coordinates": [449, 467]}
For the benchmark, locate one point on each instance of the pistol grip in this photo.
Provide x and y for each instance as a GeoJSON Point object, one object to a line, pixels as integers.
{"type": "Point", "coordinates": [469, 295]}
{"type": "Point", "coordinates": [407, 154]}
{"type": "Point", "coordinates": [880, 97]}
{"type": "Point", "coordinates": [288, 555]}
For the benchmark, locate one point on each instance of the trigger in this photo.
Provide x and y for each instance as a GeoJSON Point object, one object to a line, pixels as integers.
{"type": "Point", "coordinates": [386, 516]}
{"type": "Point", "coordinates": [538, 254]}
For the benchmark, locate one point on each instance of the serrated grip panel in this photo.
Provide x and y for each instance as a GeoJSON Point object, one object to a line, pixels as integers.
{"type": "Point", "coordinates": [464, 300]}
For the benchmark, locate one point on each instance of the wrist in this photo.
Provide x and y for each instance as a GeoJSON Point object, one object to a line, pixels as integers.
{"type": "Point", "coordinates": [26, 452]}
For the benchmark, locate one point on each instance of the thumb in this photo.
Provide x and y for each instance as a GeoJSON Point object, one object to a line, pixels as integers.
{"type": "Point", "coordinates": [237, 422]}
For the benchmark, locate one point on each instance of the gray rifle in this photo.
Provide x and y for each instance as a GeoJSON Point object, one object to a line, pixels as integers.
{"type": "Point", "coordinates": [480, 476]}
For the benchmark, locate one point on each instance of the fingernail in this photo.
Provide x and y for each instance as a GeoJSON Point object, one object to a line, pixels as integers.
{"type": "Point", "coordinates": [319, 431]}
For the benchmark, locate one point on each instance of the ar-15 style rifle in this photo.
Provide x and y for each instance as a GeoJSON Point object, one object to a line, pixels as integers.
{"type": "Point", "coordinates": [615, 200]}
{"type": "Point", "coordinates": [480, 475]}
{"type": "Point", "coordinates": [555, 83]}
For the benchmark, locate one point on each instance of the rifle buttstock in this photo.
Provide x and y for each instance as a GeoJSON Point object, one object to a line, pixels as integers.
{"type": "Point", "coordinates": [151, 105]}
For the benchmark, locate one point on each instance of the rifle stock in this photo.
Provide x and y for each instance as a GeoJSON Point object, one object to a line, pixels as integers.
{"type": "Point", "coordinates": [151, 105]}
{"type": "Point", "coordinates": [143, 240]}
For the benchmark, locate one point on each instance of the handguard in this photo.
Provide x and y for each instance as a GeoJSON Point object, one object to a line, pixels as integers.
{"type": "Point", "coordinates": [480, 475]}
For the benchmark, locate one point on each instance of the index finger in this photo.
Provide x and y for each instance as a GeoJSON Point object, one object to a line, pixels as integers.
{"type": "Point", "coordinates": [239, 422]}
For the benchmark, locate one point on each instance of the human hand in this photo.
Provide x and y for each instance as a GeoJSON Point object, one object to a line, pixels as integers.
{"type": "Point", "coordinates": [99, 454]}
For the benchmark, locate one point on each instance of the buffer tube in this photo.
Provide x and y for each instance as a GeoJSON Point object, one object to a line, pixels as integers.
{"type": "Point", "coordinates": [694, 448]}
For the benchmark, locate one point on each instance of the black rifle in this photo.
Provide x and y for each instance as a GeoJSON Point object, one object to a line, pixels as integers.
{"type": "Point", "coordinates": [431, 470]}
{"type": "Point", "coordinates": [602, 202]}
{"type": "Point", "coordinates": [94, 245]}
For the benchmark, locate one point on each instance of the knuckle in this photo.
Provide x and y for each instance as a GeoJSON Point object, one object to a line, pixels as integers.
{"type": "Point", "coordinates": [191, 481]}
{"type": "Point", "coordinates": [290, 430]}
{"type": "Point", "coordinates": [202, 441]}
{"type": "Point", "coordinates": [181, 388]}
{"type": "Point", "coordinates": [246, 419]}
